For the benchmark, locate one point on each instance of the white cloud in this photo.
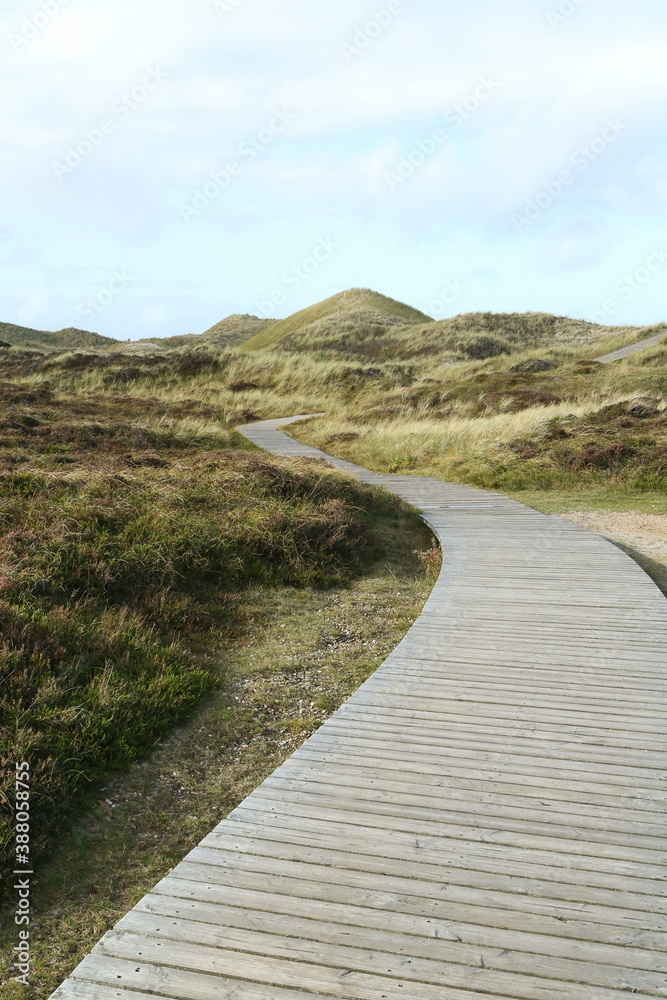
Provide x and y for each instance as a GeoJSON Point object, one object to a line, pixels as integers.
{"type": "Point", "coordinates": [73, 35]}
{"type": "Point", "coordinates": [154, 315]}
{"type": "Point", "coordinates": [225, 75]}
{"type": "Point", "coordinates": [35, 310]}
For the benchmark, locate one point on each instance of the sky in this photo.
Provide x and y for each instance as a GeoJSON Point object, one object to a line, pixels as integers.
{"type": "Point", "coordinates": [167, 164]}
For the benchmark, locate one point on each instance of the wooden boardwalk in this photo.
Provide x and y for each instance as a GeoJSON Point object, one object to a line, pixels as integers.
{"type": "Point", "coordinates": [625, 352]}
{"type": "Point", "coordinates": [485, 817]}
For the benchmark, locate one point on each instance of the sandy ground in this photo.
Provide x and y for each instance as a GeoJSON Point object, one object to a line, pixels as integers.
{"type": "Point", "coordinates": [644, 536]}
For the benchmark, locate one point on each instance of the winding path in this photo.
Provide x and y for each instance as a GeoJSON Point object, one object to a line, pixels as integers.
{"type": "Point", "coordinates": [625, 352]}
{"type": "Point", "coordinates": [483, 818]}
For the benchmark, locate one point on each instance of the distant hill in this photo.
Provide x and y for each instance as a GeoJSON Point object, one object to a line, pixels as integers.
{"type": "Point", "coordinates": [355, 307]}
{"type": "Point", "coordinates": [484, 335]}
{"type": "Point", "coordinates": [228, 332]}
{"type": "Point", "coordinates": [42, 340]}
{"type": "Point", "coordinates": [238, 329]}
{"type": "Point", "coordinates": [367, 326]}
{"type": "Point", "coordinates": [358, 323]}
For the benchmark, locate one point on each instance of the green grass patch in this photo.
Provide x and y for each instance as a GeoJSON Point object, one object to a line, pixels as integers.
{"type": "Point", "coordinates": [43, 341]}
{"type": "Point", "coordinates": [302, 651]}
{"type": "Point", "coordinates": [559, 501]}
{"type": "Point", "coordinates": [116, 588]}
{"type": "Point", "coordinates": [356, 300]}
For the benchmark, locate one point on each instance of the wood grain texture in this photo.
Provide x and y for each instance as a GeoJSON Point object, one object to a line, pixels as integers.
{"type": "Point", "coordinates": [485, 816]}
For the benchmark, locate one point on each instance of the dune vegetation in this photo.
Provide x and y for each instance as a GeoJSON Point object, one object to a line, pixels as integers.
{"type": "Point", "coordinates": [130, 529]}
{"type": "Point", "coordinates": [138, 529]}
{"type": "Point", "coordinates": [508, 402]}
{"type": "Point", "coordinates": [570, 425]}
{"type": "Point", "coordinates": [41, 341]}
{"type": "Point", "coordinates": [511, 402]}
{"type": "Point", "coordinates": [355, 306]}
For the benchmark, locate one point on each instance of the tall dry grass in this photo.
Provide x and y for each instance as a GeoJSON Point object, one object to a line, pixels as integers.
{"type": "Point", "coordinates": [423, 443]}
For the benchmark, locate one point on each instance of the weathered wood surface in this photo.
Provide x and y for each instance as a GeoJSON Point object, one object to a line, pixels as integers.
{"type": "Point", "coordinates": [625, 352]}
{"type": "Point", "coordinates": [484, 817]}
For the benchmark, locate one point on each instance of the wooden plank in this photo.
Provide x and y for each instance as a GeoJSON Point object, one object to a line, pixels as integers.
{"type": "Point", "coordinates": [423, 721]}
{"type": "Point", "coordinates": [209, 870]}
{"type": "Point", "coordinates": [476, 871]}
{"type": "Point", "coordinates": [493, 780]}
{"type": "Point", "coordinates": [564, 732]}
{"type": "Point", "coordinates": [402, 934]}
{"type": "Point", "coordinates": [485, 816]}
{"type": "Point", "coordinates": [324, 939]}
{"type": "Point", "coordinates": [639, 766]}
{"type": "Point", "coordinates": [240, 895]}
{"type": "Point", "coordinates": [490, 848]}
{"type": "Point", "coordinates": [469, 731]}
{"type": "Point", "coordinates": [518, 763]}
{"type": "Point", "coordinates": [396, 799]}
{"type": "Point", "coordinates": [374, 786]}
{"type": "Point", "coordinates": [600, 719]}
{"type": "Point", "coordinates": [340, 969]}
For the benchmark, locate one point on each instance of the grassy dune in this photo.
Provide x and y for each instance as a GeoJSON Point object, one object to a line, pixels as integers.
{"type": "Point", "coordinates": [129, 530]}
{"type": "Point", "coordinates": [43, 341]}
{"type": "Point", "coordinates": [300, 653]}
{"type": "Point", "coordinates": [474, 336]}
{"type": "Point", "coordinates": [133, 516]}
{"type": "Point", "coordinates": [574, 428]}
{"type": "Point", "coordinates": [361, 304]}
{"type": "Point", "coordinates": [170, 596]}
{"type": "Point", "coordinates": [518, 418]}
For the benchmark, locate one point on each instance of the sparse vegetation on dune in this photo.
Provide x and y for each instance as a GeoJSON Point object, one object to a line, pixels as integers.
{"type": "Point", "coordinates": [358, 305]}
{"type": "Point", "coordinates": [148, 554]}
{"type": "Point", "coordinates": [301, 652]}
{"type": "Point", "coordinates": [585, 445]}
{"type": "Point", "coordinates": [22, 341]}
{"type": "Point", "coordinates": [518, 423]}
{"type": "Point", "coordinates": [228, 332]}
{"type": "Point", "coordinates": [459, 397]}
{"type": "Point", "coordinates": [237, 329]}
{"type": "Point", "coordinates": [42, 341]}
{"type": "Point", "coordinates": [129, 528]}
{"type": "Point", "coordinates": [477, 415]}
{"type": "Point", "coordinates": [470, 337]}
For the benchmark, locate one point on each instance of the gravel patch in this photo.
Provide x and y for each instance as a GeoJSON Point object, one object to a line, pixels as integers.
{"type": "Point", "coordinates": [644, 536]}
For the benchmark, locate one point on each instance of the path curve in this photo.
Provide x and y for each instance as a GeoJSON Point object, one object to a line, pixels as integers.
{"type": "Point", "coordinates": [483, 817]}
{"type": "Point", "coordinates": [625, 352]}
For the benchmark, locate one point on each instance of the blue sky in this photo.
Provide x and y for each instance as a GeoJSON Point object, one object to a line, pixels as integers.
{"type": "Point", "coordinates": [167, 164]}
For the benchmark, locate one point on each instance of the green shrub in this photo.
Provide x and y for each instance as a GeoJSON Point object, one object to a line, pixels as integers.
{"type": "Point", "coordinates": [112, 585]}
{"type": "Point", "coordinates": [484, 346]}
